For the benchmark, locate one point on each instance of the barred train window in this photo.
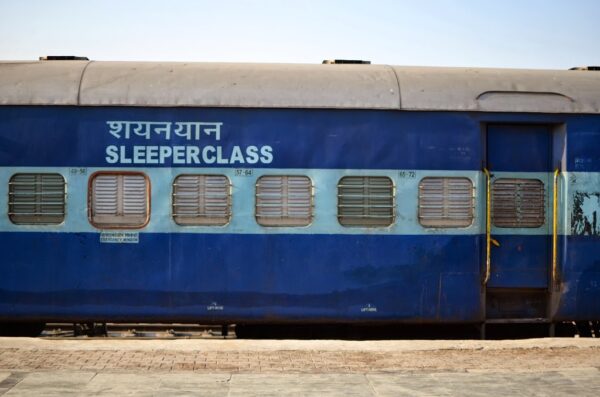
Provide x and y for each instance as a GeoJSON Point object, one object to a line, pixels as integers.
{"type": "Point", "coordinates": [283, 200]}
{"type": "Point", "coordinates": [119, 200]}
{"type": "Point", "coordinates": [36, 199]}
{"type": "Point", "coordinates": [367, 201]}
{"type": "Point", "coordinates": [203, 200]}
{"type": "Point", "coordinates": [446, 202]}
{"type": "Point", "coordinates": [518, 202]}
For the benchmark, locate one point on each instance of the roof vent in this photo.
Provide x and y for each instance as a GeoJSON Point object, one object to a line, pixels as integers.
{"type": "Point", "coordinates": [345, 61]}
{"type": "Point", "coordinates": [595, 68]}
{"type": "Point", "coordinates": [63, 58]}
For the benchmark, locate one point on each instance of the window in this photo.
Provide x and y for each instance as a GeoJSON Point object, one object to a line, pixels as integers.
{"type": "Point", "coordinates": [367, 201]}
{"type": "Point", "coordinates": [36, 199]}
{"type": "Point", "coordinates": [518, 202]}
{"type": "Point", "coordinates": [446, 202]}
{"type": "Point", "coordinates": [203, 200]}
{"type": "Point", "coordinates": [284, 200]}
{"type": "Point", "coordinates": [119, 200]}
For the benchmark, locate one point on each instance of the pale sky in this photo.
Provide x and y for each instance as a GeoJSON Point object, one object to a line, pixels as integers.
{"type": "Point", "coordinates": [510, 33]}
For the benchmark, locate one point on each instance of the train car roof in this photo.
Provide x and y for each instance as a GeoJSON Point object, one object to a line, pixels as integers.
{"type": "Point", "coordinates": [345, 86]}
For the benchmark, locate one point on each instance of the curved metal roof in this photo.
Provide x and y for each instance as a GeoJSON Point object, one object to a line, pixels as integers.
{"type": "Point", "coordinates": [297, 86]}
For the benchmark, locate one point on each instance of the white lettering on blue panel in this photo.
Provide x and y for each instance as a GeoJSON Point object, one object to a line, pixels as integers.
{"type": "Point", "coordinates": [120, 237]}
{"type": "Point", "coordinates": [368, 309]}
{"type": "Point", "coordinates": [188, 154]}
{"type": "Point", "coordinates": [214, 306]}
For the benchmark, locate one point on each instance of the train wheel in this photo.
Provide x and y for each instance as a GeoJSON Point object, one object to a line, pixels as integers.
{"type": "Point", "coordinates": [21, 329]}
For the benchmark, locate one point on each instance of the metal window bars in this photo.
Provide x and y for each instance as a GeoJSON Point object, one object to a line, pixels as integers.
{"type": "Point", "coordinates": [119, 200]}
{"type": "Point", "coordinates": [446, 202]}
{"type": "Point", "coordinates": [284, 200]}
{"type": "Point", "coordinates": [201, 200]}
{"type": "Point", "coordinates": [37, 198]}
{"type": "Point", "coordinates": [518, 203]}
{"type": "Point", "coordinates": [366, 201]}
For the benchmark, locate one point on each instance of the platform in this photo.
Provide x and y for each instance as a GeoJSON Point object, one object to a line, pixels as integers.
{"type": "Point", "coordinates": [550, 366]}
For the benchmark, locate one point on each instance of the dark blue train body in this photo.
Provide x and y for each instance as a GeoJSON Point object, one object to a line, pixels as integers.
{"type": "Point", "coordinates": [243, 272]}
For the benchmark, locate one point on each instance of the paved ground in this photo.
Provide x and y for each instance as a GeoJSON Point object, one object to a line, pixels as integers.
{"type": "Point", "coordinates": [238, 367]}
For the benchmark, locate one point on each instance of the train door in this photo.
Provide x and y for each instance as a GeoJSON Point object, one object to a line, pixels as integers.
{"type": "Point", "coordinates": [519, 179]}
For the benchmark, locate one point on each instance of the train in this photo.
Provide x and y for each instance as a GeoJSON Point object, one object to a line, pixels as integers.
{"type": "Point", "coordinates": [339, 193]}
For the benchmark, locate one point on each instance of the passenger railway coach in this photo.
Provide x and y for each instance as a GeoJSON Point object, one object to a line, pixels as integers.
{"type": "Point", "coordinates": [247, 193]}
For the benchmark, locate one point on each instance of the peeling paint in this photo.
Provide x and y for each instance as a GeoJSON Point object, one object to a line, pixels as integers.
{"type": "Point", "coordinates": [586, 210]}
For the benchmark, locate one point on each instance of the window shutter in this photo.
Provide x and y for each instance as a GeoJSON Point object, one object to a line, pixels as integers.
{"type": "Point", "coordinates": [518, 203]}
{"type": "Point", "coordinates": [37, 199]}
{"type": "Point", "coordinates": [283, 200]}
{"type": "Point", "coordinates": [120, 200]}
{"type": "Point", "coordinates": [367, 201]}
{"type": "Point", "coordinates": [446, 202]}
{"type": "Point", "coordinates": [202, 200]}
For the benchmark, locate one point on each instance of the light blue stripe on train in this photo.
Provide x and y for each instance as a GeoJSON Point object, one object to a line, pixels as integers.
{"type": "Point", "coordinates": [325, 201]}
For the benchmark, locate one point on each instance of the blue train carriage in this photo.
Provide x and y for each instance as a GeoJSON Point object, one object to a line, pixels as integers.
{"type": "Point", "coordinates": [247, 193]}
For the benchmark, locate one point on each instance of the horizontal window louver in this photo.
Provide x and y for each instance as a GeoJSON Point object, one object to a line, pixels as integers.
{"type": "Point", "coordinates": [446, 202]}
{"type": "Point", "coordinates": [367, 201]}
{"type": "Point", "coordinates": [203, 200]}
{"type": "Point", "coordinates": [284, 200]}
{"type": "Point", "coordinates": [518, 203]}
{"type": "Point", "coordinates": [120, 200]}
{"type": "Point", "coordinates": [37, 199]}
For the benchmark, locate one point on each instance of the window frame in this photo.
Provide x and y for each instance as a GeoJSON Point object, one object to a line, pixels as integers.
{"type": "Point", "coordinates": [311, 198]}
{"type": "Point", "coordinates": [119, 227]}
{"type": "Point", "coordinates": [11, 215]}
{"type": "Point", "coordinates": [473, 203]}
{"type": "Point", "coordinates": [394, 216]}
{"type": "Point", "coordinates": [544, 196]}
{"type": "Point", "coordinates": [229, 202]}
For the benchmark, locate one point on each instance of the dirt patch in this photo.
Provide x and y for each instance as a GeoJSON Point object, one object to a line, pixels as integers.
{"type": "Point", "coordinates": [302, 361]}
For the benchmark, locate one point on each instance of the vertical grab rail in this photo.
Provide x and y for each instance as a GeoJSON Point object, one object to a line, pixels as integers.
{"type": "Point", "coordinates": [488, 227]}
{"type": "Point", "coordinates": [555, 227]}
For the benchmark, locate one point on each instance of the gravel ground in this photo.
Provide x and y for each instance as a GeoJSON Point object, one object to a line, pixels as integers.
{"type": "Point", "coordinates": [293, 356]}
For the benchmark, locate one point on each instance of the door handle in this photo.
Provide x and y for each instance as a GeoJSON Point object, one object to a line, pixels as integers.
{"type": "Point", "coordinates": [555, 276]}
{"type": "Point", "coordinates": [488, 227]}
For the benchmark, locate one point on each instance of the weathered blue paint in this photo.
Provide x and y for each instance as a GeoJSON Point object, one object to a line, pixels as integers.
{"type": "Point", "coordinates": [278, 276]}
{"type": "Point", "coordinates": [518, 148]}
{"type": "Point", "coordinates": [300, 138]}
{"type": "Point", "coordinates": [583, 145]}
{"type": "Point", "coordinates": [579, 272]}
{"type": "Point", "coordinates": [254, 277]}
{"type": "Point", "coordinates": [521, 261]}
